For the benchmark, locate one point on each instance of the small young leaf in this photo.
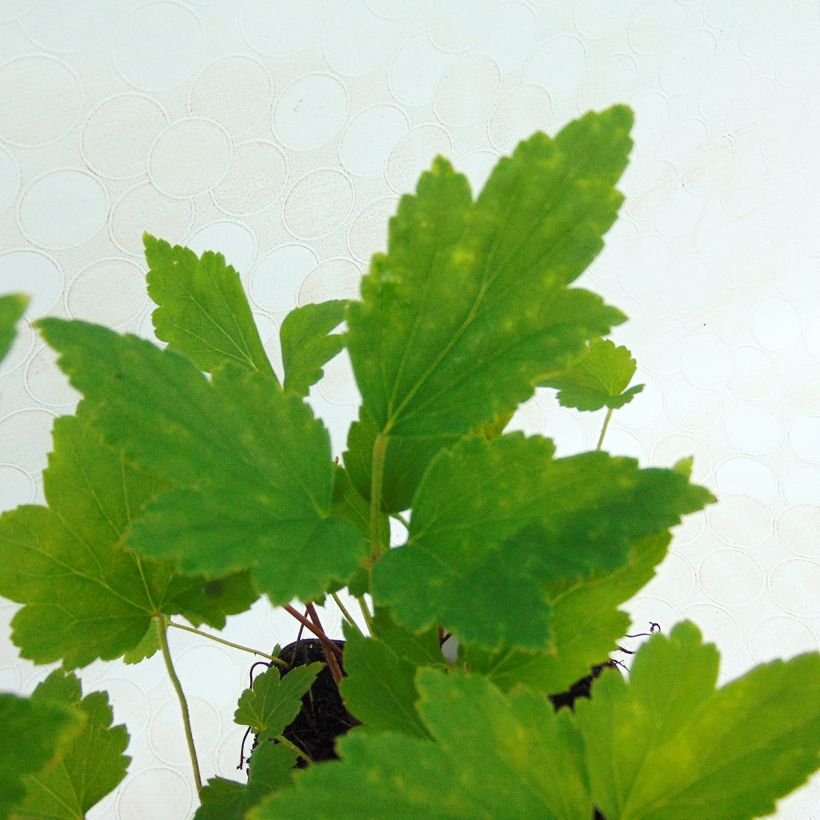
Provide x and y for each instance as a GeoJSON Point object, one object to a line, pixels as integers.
{"type": "Point", "coordinates": [11, 311]}
{"type": "Point", "coordinates": [471, 307]}
{"type": "Point", "coordinates": [84, 597]}
{"type": "Point", "coordinates": [91, 766]}
{"type": "Point", "coordinates": [380, 688]}
{"type": "Point", "coordinates": [668, 746]}
{"type": "Point", "coordinates": [33, 733]}
{"type": "Point", "coordinates": [271, 768]}
{"type": "Point", "coordinates": [203, 311]}
{"type": "Point", "coordinates": [307, 344]}
{"type": "Point", "coordinates": [494, 756]}
{"type": "Point", "coordinates": [252, 464]}
{"type": "Point", "coordinates": [598, 378]}
{"type": "Point", "coordinates": [274, 701]}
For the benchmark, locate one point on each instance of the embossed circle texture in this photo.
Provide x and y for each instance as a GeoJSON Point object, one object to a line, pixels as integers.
{"type": "Point", "coordinates": [318, 203]}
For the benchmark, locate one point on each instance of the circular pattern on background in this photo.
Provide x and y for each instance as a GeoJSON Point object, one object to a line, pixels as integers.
{"type": "Point", "coordinates": [613, 78]}
{"type": "Point", "coordinates": [52, 30]}
{"type": "Point", "coordinates": [780, 637]}
{"type": "Point", "coordinates": [804, 438]}
{"type": "Point", "coordinates": [413, 154]}
{"type": "Point", "coordinates": [775, 325]}
{"type": "Point", "coordinates": [46, 383]}
{"type": "Point", "coordinates": [740, 521]}
{"type": "Point", "coordinates": [416, 70]}
{"type": "Point", "coordinates": [802, 485]}
{"type": "Point", "coordinates": [746, 476]}
{"type": "Point", "coordinates": [278, 28]}
{"type": "Point", "coordinates": [355, 42]}
{"type": "Point", "coordinates": [368, 232]}
{"type": "Point", "coordinates": [690, 407]}
{"type": "Point", "coordinates": [705, 359]}
{"type": "Point", "coordinates": [794, 584]}
{"type": "Point", "coordinates": [14, 9]}
{"type": "Point", "coordinates": [477, 167]}
{"type": "Point", "coordinates": [257, 175]}
{"type": "Point", "coordinates": [158, 46]}
{"type": "Point", "coordinates": [25, 438]}
{"type": "Point", "coordinates": [234, 241]}
{"type": "Point", "coordinates": [459, 24]}
{"type": "Point", "coordinates": [370, 137]}
{"type": "Point", "coordinates": [798, 528]}
{"type": "Point", "coordinates": [223, 674]}
{"type": "Point", "coordinates": [752, 429]}
{"type": "Point", "coordinates": [143, 208]}
{"type": "Point", "coordinates": [31, 85]}
{"type": "Point", "coordinates": [467, 91]}
{"type": "Point", "coordinates": [510, 35]}
{"type": "Point", "coordinates": [118, 134]}
{"type": "Point", "coordinates": [109, 292]}
{"type": "Point", "coordinates": [190, 157]}
{"type": "Point", "coordinates": [235, 91]}
{"type": "Point", "coordinates": [168, 742]}
{"type": "Point", "coordinates": [518, 114]}
{"type": "Point", "coordinates": [754, 374]}
{"type": "Point", "coordinates": [35, 274]}
{"type": "Point", "coordinates": [310, 112]}
{"type": "Point", "coordinates": [338, 385]}
{"type": "Point", "coordinates": [731, 577]}
{"type": "Point", "coordinates": [63, 209]}
{"type": "Point", "coordinates": [671, 449]}
{"type": "Point", "coordinates": [9, 179]}
{"type": "Point", "coordinates": [16, 487]}
{"type": "Point", "coordinates": [812, 336]}
{"type": "Point", "coordinates": [332, 279]}
{"type": "Point", "coordinates": [21, 347]}
{"type": "Point", "coordinates": [803, 387]}
{"type": "Point", "coordinates": [717, 626]}
{"type": "Point", "coordinates": [688, 64]}
{"type": "Point", "coordinates": [278, 277]}
{"type": "Point", "coordinates": [558, 66]}
{"type": "Point", "coordinates": [159, 793]}
{"type": "Point", "coordinates": [318, 204]}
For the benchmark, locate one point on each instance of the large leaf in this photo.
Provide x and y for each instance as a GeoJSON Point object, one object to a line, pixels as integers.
{"type": "Point", "coordinates": [495, 520]}
{"type": "Point", "coordinates": [11, 310]}
{"type": "Point", "coordinates": [470, 307]}
{"type": "Point", "coordinates": [668, 746]}
{"type": "Point", "coordinates": [274, 701]}
{"type": "Point", "coordinates": [252, 465]}
{"type": "Point", "coordinates": [33, 733]}
{"type": "Point", "coordinates": [84, 597]}
{"type": "Point", "coordinates": [307, 343]}
{"type": "Point", "coordinates": [598, 378]}
{"type": "Point", "coordinates": [203, 311]}
{"type": "Point", "coordinates": [494, 756]}
{"type": "Point", "coordinates": [93, 764]}
{"type": "Point", "coordinates": [380, 688]}
{"type": "Point", "coordinates": [271, 768]}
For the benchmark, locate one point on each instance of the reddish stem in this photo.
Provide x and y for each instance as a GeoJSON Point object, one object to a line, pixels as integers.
{"type": "Point", "coordinates": [318, 632]}
{"type": "Point", "coordinates": [332, 663]}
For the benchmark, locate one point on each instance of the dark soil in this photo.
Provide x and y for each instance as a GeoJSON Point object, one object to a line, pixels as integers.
{"type": "Point", "coordinates": [323, 716]}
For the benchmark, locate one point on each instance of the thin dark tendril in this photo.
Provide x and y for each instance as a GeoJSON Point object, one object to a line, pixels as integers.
{"type": "Point", "coordinates": [242, 749]}
{"type": "Point", "coordinates": [250, 674]}
{"type": "Point", "coordinates": [619, 663]}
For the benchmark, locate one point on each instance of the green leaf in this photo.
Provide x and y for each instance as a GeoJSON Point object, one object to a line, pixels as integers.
{"type": "Point", "coordinates": [34, 733]}
{"type": "Point", "coordinates": [307, 344]}
{"type": "Point", "coordinates": [274, 701]}
{"type": "Point", "coordinates": [471, 307]}
{"type": "Point", "coordinates": [84, 597]}
{"type": "Point", "coordinates": [202, 309]}
{"type": "Point", "coordinates": [380, 688]}
{"type": "Point", "coordinates": [668, 746]}
{"type": "Point", "coordinates": [146, 648]}
{"type": "Point", "coordinates": [271, 768]}
{"type": "Point", "coordinates": [584, 621]}
{"type": "Point", "coordinates": [495, 756]}
{"type": "Point", "coordinates": [423, 649]}
{"type": "Point", "coordinates": [11, 311]}
{"type": "Point", "coordinates": [598, 378]}
{"type": "Point", "coordinates": [495, 520]}
{"type": "Point", "coordinates": [91, 767]}
{"type": "Point", "coordinates": [252, 465]}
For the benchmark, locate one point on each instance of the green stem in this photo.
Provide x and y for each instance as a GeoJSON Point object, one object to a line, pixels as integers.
{"type": "Point", "coordinates": [343, 609]}
{"type": "Point", "coordinates": [603, 429]}
{"type": "Point", "coordinates": [294, 748]}
{"type": "Point", "coordinates": [379, 452]}
{"type": "Point", "coordinates": [368, 618]}
{"type": "Point", "coordinates": [162, 632]}
{"type": "Point", "coordinates": [271, 658]}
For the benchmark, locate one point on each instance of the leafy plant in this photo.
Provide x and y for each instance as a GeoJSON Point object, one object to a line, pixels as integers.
{"type": "Point", "coordinates": [192, 479]}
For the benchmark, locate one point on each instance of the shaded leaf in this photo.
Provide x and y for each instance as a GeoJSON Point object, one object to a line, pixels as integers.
{"type": "Point", "coordinates": [90, 767]}
{"type": "Point", "coordinates": [423, 649]}
{"type": "Point", "coordinates": [274, 701]}
{"type": "Point", "coordinates": [202, 309]}
{"type": "Point", "coordinates": [34, 732]}
{"type": "Point", "coordinates": [495, 520]}
{"type": "Point", "coordinates": [271, 768]}
{"type": "Point", "coordinates": [307, 344]}
{"type": "Point", "coordinates": [84, 597]}
{"type": "Point", "coordinates": [494, 756]}
{"type": "Point", "coordinates": [470, 307]}
{"type": "Point", "coordinates": [380, 688]}
{"type": "Point", "coordinates": [668, 746]}
{"type": "Point", "coordinates": [598, 378]}
{"type": "Point", "coordinates": [252, 465]}
{"type": "Point", "coordinates": [12, 308]}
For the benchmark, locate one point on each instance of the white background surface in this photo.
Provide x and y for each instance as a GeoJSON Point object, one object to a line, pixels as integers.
{"type": "Point", "coordinates": [282, 135]}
